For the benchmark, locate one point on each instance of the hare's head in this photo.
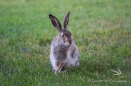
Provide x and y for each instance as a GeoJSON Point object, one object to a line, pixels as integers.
{"type": "Point", "coordinates": [64, 35]}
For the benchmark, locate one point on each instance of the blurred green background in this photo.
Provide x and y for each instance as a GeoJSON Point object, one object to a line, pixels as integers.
{"type": "Point", "coordinates": [100, 28]}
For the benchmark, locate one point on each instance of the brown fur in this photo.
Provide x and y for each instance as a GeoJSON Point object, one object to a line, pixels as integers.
{"type": "Point", "coordinates": [64, 52]}
{"type": "Point", "coordinates": [60, 51]}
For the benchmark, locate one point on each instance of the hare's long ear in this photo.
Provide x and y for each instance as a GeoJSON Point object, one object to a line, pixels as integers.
{"type": "Point", "coordinates": [66, 20]}
{"type": "Point", "coordinates": [55, 22]}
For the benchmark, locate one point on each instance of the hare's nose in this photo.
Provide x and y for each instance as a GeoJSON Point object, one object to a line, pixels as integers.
{"type": "Point", "coordinates": [70, 41]}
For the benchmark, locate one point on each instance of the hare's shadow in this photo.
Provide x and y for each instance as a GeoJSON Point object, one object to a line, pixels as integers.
{"type": "Point", "coordinates": [89, 68]}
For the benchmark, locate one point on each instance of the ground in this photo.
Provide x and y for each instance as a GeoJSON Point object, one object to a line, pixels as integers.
{"type": "Point", "coordinates": [101, 30]}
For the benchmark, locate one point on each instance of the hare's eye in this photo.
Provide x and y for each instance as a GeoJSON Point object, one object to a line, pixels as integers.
{"type": "Point", "coordinates": [63, 36]}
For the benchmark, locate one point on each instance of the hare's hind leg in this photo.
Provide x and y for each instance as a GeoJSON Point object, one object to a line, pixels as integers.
{"type": "Point", "coordinates": [60, 67]}
{"type": "Point", "coordinates": [77, 63]}
{"type": "Point", "coordinates": [57, 66]}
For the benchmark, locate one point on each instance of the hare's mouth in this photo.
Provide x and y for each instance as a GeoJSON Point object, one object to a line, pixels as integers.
{"type": "Point", "coordinates": [67, 43]}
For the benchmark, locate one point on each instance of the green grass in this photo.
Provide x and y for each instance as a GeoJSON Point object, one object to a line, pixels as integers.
{"type": "Point", "coordinates": [101, 30]}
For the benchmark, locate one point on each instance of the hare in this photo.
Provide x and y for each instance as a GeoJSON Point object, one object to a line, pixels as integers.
{"type": "Point", "coordinates": [64, 53]}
